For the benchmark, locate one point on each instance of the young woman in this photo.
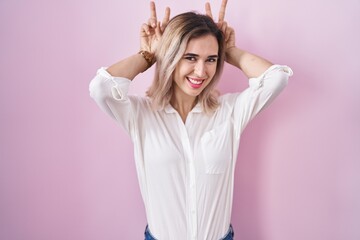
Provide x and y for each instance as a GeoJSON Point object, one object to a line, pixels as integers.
{"type": "Point", "coordinates": [185, 136]}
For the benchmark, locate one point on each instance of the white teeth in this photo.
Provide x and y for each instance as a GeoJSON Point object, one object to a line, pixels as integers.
{"type": "Point", "coordinates": [195, 81]}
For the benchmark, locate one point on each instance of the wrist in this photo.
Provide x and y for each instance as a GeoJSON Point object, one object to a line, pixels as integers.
{"type": "Point", "coordinates": [231, 50]}
{"type": "Point", "coordinates": [233, 56]}
{"type": "Point", "coordinates": [148, 57]}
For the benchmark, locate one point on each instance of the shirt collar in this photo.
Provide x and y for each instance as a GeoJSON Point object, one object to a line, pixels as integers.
{"type": "Point", "coordinates": [169, 109]}
{"type": "Point", "coordinates": [197, 108]}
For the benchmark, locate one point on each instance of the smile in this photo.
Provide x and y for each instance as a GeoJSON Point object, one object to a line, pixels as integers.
{"type": "Point", "coordinates": [195, 82]}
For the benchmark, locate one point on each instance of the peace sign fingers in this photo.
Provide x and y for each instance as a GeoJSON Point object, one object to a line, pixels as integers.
{"type": "Point", "coordinates": [221, 12]}
{"type": "Point", "coordinates": [228, 31]}
{"type": "Point", "coordinates": [151, 32]}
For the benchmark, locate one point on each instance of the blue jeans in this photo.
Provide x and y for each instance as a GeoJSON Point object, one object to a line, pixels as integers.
{"type": "Point", "coordinates": [228, 236]}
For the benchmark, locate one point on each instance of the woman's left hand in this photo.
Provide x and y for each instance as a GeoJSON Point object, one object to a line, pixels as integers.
{"type": "Point", "coordinates": [228, 31]}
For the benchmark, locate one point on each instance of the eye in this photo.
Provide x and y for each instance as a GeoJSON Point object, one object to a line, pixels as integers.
{"type": "Point", "coordinates": [212, 59]}
{"type": "Point", "coordinates": [190, 58]}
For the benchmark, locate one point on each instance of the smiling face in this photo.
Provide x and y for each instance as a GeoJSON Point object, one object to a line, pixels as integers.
{"type": "Point", "coordinates": [196, 68]}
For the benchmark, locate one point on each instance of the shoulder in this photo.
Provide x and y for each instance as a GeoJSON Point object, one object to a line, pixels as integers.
{"type": "Point", "coordinates": [228, 98]}
{"type": "Point", "coordinates": [139, 101]}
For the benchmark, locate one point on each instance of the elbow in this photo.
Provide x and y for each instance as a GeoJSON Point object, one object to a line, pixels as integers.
{"type": "Point", "coordinates": [93, 88]}
{"type": "Point", "coordinates": [281, 78]}
{"type": "Point", "coordinates": [96, 89]}
{"type": "Point", "coordinates": [283, 81]}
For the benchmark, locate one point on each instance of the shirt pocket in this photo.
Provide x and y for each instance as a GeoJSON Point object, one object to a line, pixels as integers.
{"type": "Point", "coordinates": [217, 149]}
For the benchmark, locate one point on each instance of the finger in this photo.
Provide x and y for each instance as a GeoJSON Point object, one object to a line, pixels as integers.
{"type": "Point", "coordinates": [231, 31]}
{"type": "Point", "coordinates": [226, 31]}
{"type": "Point", "coordinates": [208, 10]}
{"type": "Point", "coordinates": [165, 19]}
{"type": "Point", "coordinates": [224, 28]}
{"type": "Point", "coordinates": [152, 10]}
{"type": "Point", "coordinates": [158, 30]}
{"type": "Point", "coordinates": [153, 18]}
{"type": "Point", "coordinates": [222, 10]}
{"type": "Point", "coordinates": [145, 29]}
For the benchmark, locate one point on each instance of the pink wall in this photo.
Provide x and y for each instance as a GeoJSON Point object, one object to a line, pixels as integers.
{"type": "Point", "coordinates": [67, 171]}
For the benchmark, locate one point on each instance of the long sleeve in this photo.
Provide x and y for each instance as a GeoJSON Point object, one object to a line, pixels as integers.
{"type": "Point", "coordinates": [110, 94]}
{"type": "Point", "coordinates": [260, 93]}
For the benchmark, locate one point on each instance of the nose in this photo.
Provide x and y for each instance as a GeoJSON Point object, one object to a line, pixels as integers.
{"type": "Point", "coordinates": [200, 69]}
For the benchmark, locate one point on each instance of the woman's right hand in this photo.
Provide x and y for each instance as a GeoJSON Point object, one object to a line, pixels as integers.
{"type": "Point", "coordinates": [152, 31]}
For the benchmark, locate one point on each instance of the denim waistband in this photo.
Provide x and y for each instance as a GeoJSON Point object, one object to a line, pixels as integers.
{"type": "Point", "coordinates": [229, 235]}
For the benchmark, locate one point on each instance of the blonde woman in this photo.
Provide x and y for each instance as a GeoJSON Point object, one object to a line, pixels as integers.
{"type": "Point", "coordinates": [185, 136]}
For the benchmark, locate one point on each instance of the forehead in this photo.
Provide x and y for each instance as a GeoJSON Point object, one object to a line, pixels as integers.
{"type": "Point", "coordinates": [204, 45]}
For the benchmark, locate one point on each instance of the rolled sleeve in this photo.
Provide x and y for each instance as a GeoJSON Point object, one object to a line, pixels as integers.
{"type": "Point", "coordinates": [104, 85]}
{"type": "Point", "coordinates": [261, 92]}
{"type": "Point", "coordinates": [278, 74]}
{"type": "Point", "coordinates": [110, 94]}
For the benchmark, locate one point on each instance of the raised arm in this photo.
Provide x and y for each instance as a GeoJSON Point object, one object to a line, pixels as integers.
{"type": "Point", "coordinates": [150, 35]}
{"type": "Point", "coordinates": [250, 64]}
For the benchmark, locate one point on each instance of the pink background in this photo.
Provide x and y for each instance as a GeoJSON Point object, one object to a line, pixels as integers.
{"type": "Point", "coordinates": [67, 170]}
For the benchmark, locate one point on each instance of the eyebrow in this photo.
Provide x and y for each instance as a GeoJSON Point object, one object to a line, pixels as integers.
{"type": "Point", "coordinates": [196, 55]}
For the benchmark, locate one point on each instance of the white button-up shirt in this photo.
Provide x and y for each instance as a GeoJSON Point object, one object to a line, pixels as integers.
{"type": "Point", "coordinates": [186, 170]}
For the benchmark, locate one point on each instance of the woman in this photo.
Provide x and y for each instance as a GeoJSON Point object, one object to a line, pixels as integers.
{"type": "Point", "coordinates": [185, 137]}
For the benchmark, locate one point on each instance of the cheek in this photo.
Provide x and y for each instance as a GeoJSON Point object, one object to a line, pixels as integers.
{"type": "Point", "coordinates": [179, 70]}
{"type": "Point", "coordinates": [211, 73]}
{"type": "Point", "coordinates": [212, 70]}
{"type": "Point", "coordinates": [177, 77]}
{"type": "Point", "coordinates": [176, 74]}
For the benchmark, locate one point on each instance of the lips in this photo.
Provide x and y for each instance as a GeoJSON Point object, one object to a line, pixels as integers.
{"type": "Point", "coordinates": [195, 82]}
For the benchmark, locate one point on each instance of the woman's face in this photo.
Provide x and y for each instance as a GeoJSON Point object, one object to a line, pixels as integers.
{"type": "Point", "coordinates": [197, 67]}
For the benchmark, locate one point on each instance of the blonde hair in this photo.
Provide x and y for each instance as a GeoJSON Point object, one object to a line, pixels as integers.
{"type": "Point", "coordinates": [171, 48]}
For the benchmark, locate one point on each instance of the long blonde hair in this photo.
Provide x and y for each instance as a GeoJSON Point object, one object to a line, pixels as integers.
{"type": "Point", "coordinates": [179, 31]}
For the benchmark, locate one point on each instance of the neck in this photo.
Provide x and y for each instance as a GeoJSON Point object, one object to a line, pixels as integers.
{"type": "Point", "coordinates": [183, 105]}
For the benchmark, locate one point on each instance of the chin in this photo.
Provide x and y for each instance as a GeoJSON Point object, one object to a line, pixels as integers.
{"type": "Point", "coordinates": [194, 93]}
